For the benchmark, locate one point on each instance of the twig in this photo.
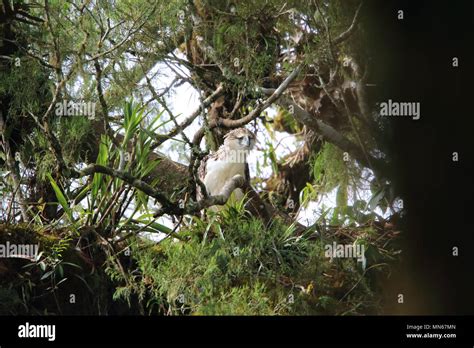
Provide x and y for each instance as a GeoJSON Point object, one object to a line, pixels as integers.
{"type": "Point", "coordinates": [129, 179]}
{"type": "Point", "coordinates": [10, 162]}
{"type": "Point", "coordinates": [237, 181]}
{"type": "Point", "coordinates": [205, 103]}
{"type": "Point", "coordinates": [269, 101]}
{"type": "Point", "coordinates": [343, 36]}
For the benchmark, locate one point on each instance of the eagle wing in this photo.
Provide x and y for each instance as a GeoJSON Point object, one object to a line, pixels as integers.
{"type": "Point", "coordinates": [203, 167]}
{"type": "Point", "coordinates": [202, 170]}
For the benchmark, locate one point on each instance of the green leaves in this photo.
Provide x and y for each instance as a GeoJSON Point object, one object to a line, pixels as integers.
{"type": "Point", "coordinates": [133, 116]}
{"type": "Point", "coordinates": [102, 158]}
{"type": "Point", "coordinates": [376, 199]}
{"type": "Point", "coordinates": [270, 154]}
{"type": "Point", "coordinates": [61, 198]}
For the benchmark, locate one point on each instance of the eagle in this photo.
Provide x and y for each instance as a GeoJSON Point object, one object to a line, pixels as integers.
{"type": "Point", "coordinates": [230, 159]}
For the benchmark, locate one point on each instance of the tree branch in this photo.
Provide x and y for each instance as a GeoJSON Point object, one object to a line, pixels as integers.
{"type": "Point", "coordinates": [331, 135]}
{"type": "Point", "coordinates": [228, 123]}
{"type": "Point", "coordinates": [343, 36]}
{"type": "Point", "coordinates": [205, 103]}
{"type": "Point", "coordinates": [237, 181]}
{"type": "Point", "coordinates": [11, 166]}
{"type": "Point", "coordinates": [129, 179]}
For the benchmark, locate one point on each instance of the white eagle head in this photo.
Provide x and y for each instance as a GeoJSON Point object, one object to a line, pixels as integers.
{"type": "Point", "coordinates": [240, 139]}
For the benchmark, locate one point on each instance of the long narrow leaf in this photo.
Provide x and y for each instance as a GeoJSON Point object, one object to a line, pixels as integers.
{"type": "Point", "coordinates": [61, 198]}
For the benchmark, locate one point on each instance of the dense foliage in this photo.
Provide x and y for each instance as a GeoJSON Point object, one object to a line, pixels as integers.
{"type": "Point", "coordinates": [94, 186]}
